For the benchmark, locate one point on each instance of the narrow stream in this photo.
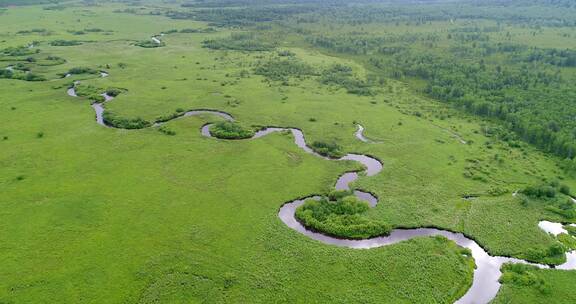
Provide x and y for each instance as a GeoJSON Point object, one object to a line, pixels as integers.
{"type": "Point", "coordinates": [485, 285]}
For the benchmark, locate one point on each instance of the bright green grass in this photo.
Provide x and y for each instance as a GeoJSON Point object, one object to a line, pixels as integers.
{"type": "Point", "coordinates": [95, 215]}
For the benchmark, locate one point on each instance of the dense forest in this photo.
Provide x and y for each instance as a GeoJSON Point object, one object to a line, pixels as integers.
{"type": "Point", "coordinates": [476, 66]}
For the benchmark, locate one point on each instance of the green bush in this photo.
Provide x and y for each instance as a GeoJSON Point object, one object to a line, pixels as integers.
{"type": "Point", "coordinates": [19, 51]}
{"type": "Point", "coordinates": [166, 131]}
{"type": "Point", "coordinates": [230, 130]}
{"type": "Point", "coordinates": [281, 70]}
{"type": "Point", "coordinates": [65, 43]}
{"type": "Point", "coordinates": [542, 191]}
{"type": "Point", "coordinates": [341, 218]}
{"type": "Point", "coordinates": [523, 275]}
{"type": "Point", "coordinates": [332, 150]}
{"type": "Point", "coordinates": [113, 92]}
{"type": "Point", "coordinates": [149, 44]}
{"type": "Point", "coordinates": [115, 121]}
{"type": "Point", "coordinates": [239, 42]}
{"type": "Point", "coordinates": [342, 76]}
{"type": "Point", "coordinates": [91, 92]}
{"type": "Point", "coordinates": [82, 70]}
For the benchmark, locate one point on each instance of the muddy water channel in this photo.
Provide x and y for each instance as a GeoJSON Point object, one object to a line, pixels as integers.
{"type": "Point", "coordinates": [485, 285]}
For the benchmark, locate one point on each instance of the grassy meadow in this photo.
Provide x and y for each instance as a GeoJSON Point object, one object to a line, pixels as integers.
{"type": "Point", "coordinates": [90, 214]}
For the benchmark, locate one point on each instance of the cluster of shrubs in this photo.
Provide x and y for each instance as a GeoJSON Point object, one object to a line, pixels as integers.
{"type": "Point", "coordinates": [113, 92]}
{"type": "Point", "coordinates": [230, 130]}
{"type": "Point", "coordinates": [523, 275]}
{"type": "Point", "coordinates": [332, 150]}
{"type": "Point", "coordinates": [239, 42]}
{"type": "Point", "coordinates": [82, 70]}
{"type": "Point", "coordinates": [8, 74]}
{"type": "Point", "coordinates": [548, 194]}
{"type": "Point", "coordinates": [202, 30]}
{"type": "Point", "coordinates": [179, 112]}
{"type": "Point", "coordinates": [91, 92]}
{"type": "Point", "coordinates": [546, 190]}
{"type": "Point", "coordinates": [164, 130]}
{"type": "Point", "coordinates": [65, 43]}
{"type": "Point", "coordinates": [342, 76]}
{"type": "Point", "coordinates": [115, 121]}
{"type": "Point", "coordinates": [19, 51]}
{"type": "Point", "coordinates": [341, 216]}
{"type": "Point", "coordinates": [281, 70]}
{"type": "Point", "coordinates": [52, 60]}
{"type": "Point", "coordinates": [39, 31]}
{"type": "Point", "coordinates": [150, 44]}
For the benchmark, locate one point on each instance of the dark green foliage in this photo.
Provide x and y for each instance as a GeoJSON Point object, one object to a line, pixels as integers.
{"type": "Point", "coordinates": [51, 60]}
{"type": "Point", "coordinates": [26, 2]}
{"type": "Point", "coordinates": [95, 30]}
{"type": "Point", "coordinates": [240, 42]}
{"type": "Point", "coordinates": [542, 191]}
{"type": "Point", "coordinates": [202, 30]}
{"type": "Point", "coordinates": [33, 77]}
{"type": "Point", "coordinates": [341, 218]}
{"type": "Point", "coordinates": [332, 150]}
{"type": "Point", "coordinates": [111, 119]}
{"type": "Point", "coordinates": [91, 92]}
{"type": "Point", "coordinates": [17, 74]}
{"type": "Point", "coordinates": [82, 70]}
{"type": "Point", "coordinates": [230, 130]}
{"type": "Point", "coordinates": [286, 53]}
{"type": "Point", "coordinates": [564, 189]}
{"type": "Point", "coordinates": [113, 92]}
{"type": "Point", "coordinates": [282, 69]}
{"type": "Point", "coordinates": [523, 275]}
{"type": "Point", "coordinates": [169, 117]}
{"type": "Point", "coordinates": [19, 51]}
{"type": "Point", "coordinates": [37, 31]}
{"type": "Point", "coordinates": [149, 44]}
{"type": "Point", "coordinates": [342, 75]}
{"type": "Point", "coordinates": [571, 230]}
{"type": "Point", "coordinates": [553, 196]}
{"type": "Point", "coordinates": [335, 195]}
{"type": "Point", "coordinates": [65, 43]}
{"type": "Point", "coordinates": [4, 73]}
{"type": "Point", "coordinates": [166, 131]}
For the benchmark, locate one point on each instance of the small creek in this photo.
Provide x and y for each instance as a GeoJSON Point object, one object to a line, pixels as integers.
{"type": "Point", "coordinates": [485, 285]}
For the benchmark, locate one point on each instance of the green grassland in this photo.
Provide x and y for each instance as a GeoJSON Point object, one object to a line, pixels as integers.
{"type": "Point", "coordinates": [96, 215]}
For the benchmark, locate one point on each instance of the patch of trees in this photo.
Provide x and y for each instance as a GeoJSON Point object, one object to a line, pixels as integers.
{"type": "Point", "coordinates": [19, 51]}
{"type": "Point", "coordinates": [341, 75]}
{"type": "Point", "coordinates": [560, 58]}
{"type": "Point", "coordinates": [91, 92]}
{"type": "Point", "coordinates": [230, 130]}
{"type": "Point", "coordinates": [200, 30]}
{"type": "Point", "coordinates": [328, 149]}
{"type": "Point", "coordinates": [343, 217]}
{"type": "Point", "coordinates": [52, 60]}
{"type": "Point", "coordinates": [150, 44]}
{"type": "Point", "coordinates": [282, 69]}
{"type": "Point", "coordinates": [241, 16]}
{"type": "Point", "coordinates": [26, 76]}
{"type": "Point", "coordinates": [65, 43]}
{"type": "Point", "coordinates": [82, 70]}
{"type": "Point", "coordinates": [38, 31]}
{"type": "Point", "coordinates": [524, 275]}
{"type": "Point", "coordinates": [239, 42]}
{"type": "Point", "coordinates": [548, 194]}
{"type": "Point", "coordinates": [111, 119]}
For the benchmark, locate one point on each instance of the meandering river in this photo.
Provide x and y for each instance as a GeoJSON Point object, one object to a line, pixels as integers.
{"type": "Point", "coordinates": [485, 285]}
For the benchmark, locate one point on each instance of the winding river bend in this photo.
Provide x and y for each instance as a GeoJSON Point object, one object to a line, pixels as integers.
{"type": "Point", "coordinates": [485, 285]}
